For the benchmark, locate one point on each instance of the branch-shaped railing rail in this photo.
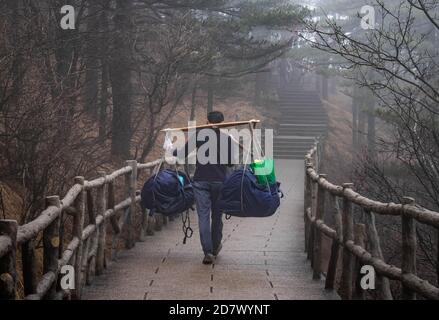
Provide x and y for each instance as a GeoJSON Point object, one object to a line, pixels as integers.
{"type": "Point", "coordinates": [87, 250]}
{"type": "Point", "coordinates": [350, 237]}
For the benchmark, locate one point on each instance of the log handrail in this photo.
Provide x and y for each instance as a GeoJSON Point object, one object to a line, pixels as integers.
{"type": "Point", "coordinates": [343, 235]}
{"type": "Point", "coordinates": [87, 248]}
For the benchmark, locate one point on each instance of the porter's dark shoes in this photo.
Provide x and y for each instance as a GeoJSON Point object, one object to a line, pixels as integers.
{"type": "Point", "coordinates": [208, 259]}
{"type": "Point", "coordinates": [217, 250]}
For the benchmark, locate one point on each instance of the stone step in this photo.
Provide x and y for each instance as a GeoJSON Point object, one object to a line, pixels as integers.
{"type": "Point", "coordinates": [289, 147]}
{"type": "Point", "coordinates": [298, 156]}
{"type": "Point", "coordinates": [292, 138]}
{"type": "Point", "coordinates": [314, 134]}
{"type": "Point", "coordinates": [307, 134]}
{"type": "Point", "coordinates": [295, 116]}
{"type": "Point", "coordinates": [304, 127]}
{"type": "Point", "coordinates": [293, 144]}
{"type": "Point", "coordinates": [292, 148]}
{"type": "Point", "coordinates": [309, 139]}
{"type": "Point", "coordinates": [310, 110]}
{"type": "Point", "coordinates": [309, 122]}
{"type": "Point", "coordinates": [300, 96]}
{"type": "Point", "coordinates": [301, 139]}
{"type": "Point", "coordinates": [290, 156]}
{"type": "Point", "coordinates": [298, 92]}
{"type": "Point", "coordinates": [281, 157]}
{"type": "Point", "coordinates": [288, 125]}
{"type": "Point", "coordinates": [296, 98]}
{"type": "Point", "coordinates": [299, 103]}
{"type": "Point", "coordinates": [301, 106]}
{"type": "Point", "coordinates": [286, 117]}
{"type": "Point", "coordinates": [297, 113]}
{"type": "Point", "coordinates": [302, 118]}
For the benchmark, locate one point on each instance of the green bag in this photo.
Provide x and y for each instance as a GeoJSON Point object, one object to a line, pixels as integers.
{"type": "Point", "coordinates": [264, 171]}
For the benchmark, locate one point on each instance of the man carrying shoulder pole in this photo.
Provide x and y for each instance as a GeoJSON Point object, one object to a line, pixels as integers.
{"type": "Point", "coordinates": [208, 180]}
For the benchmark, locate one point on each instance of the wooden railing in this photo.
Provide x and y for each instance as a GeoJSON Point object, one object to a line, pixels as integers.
{"type": "Point", "coordinates": [92, 206]}
{"type": "Point", "coordinates": [322, 197]}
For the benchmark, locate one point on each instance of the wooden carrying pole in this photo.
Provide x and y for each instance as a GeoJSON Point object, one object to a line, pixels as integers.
{"type": "Point", "coordinates": [214, 125]}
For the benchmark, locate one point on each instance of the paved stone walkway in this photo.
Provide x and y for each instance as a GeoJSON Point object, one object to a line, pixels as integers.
{"type": "Point", "coordinates": [261, 259]}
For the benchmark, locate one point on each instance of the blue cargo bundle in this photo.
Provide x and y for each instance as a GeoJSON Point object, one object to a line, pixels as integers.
{"type": "Point", "coordinates": [169, 192]}
{"type": "Point", "coordinates": [243, 196]}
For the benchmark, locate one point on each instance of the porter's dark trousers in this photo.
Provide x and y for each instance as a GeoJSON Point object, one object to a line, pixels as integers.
{"type": "Point", "coordinates": [206, 195]}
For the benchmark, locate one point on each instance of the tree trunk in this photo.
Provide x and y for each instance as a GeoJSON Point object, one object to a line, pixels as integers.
{"type": "Point", "coordinates": [318, 84]}
{"type": "Point", "coordinates": [103, 104]}
{"type": "Point", "coordinates": [258, 87]}
{"type": "Point", "coordinates": [193, 102]}
{"type": "Point", "coordinates": [371, 128]}
{"type": "Point", "coordinates": [66, 56]}
{"type": "Point", "coordinates": [104, 94]}
{"type": "Point", "coordinates": [210, 93]}
{"type": "Point", "coordinates": [325, 93]}
{"type": "Point", "coordinates": [17, 64]}
{"type": "Point", "coordinates": [361, 121]}
{"type": "Point", "coordinates": [120, 77]}
{"type": "Point", "coordinates": [91, 62]}
{"type": "Point", "coordinates": [371, 102]}
{"type": "Point", "coordinates": [355, 119]}
{"type": "Point", "coordinates": [333, 86]}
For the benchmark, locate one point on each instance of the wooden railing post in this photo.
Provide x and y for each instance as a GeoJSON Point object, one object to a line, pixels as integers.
{"type": "Point", "coordinates": [383, 283]}
{"type": "Point", "coordinates": [102, 229]}
{"type": "Point", "coordinates": [320, 211]}
{"type": "Point", "coordinates": [359, 240]}
{"type": "Point", "coordinates": [408, 249]}
{"type": "Point", "coordinates": [312, 229]}
{"type": "Point", "coordinates": [116, 230]}
{"type": "Point", "coordinates": [111, 202]}
{"type": "Point", "coordinates": [348, 236]}
{"type": "Point", "coordinates": [29, 265]}
{"type": "Point", "coordinates": [131, 186]}
{"type": "Point", "coordinates": [8, 270]}
{"type": "Point", "coordinates": [307, 204]}
{"type": "Point", "coordinates": [78, 226]}
{"type": "Point", "coordinates": [143, 224]}
{"type": "Point", "coordinates": [91, 242]}
{"type": "Point", "coordinates": [51, 245]}
{"type": "Point", "coordinates": [335, 248]}
{"type": "Point", "coordinates": [149, 219]}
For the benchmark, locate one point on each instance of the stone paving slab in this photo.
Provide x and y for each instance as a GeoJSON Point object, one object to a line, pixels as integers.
{"type": "Point", "coordinates": [261, 259]}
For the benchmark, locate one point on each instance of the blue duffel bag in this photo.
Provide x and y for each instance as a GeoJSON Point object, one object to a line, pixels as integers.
{"type": "Point", "coordinates": [168, 192]}
{"type": "Point", "coordinates": [242, 196]}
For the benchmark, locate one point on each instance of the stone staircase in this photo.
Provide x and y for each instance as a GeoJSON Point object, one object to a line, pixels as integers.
{"type": "Point", "coordinates": [302, 120]}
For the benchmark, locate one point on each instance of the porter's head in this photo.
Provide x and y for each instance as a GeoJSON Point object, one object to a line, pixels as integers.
{"type": "Point", "coordinates": [215, 117]}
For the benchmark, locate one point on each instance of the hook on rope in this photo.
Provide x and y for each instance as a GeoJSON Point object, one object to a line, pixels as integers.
{"type": "Point", "coordinates": [187, 230]}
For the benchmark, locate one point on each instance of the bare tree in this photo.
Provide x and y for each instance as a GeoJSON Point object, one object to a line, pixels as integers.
{"type": "Point", "coordinates": [401, 53]}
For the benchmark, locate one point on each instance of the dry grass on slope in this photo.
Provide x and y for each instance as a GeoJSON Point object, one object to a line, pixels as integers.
{"type": "Point", "coordinates": [11, 203]}
{"type": "Point", "coordinates": [338, 146]}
